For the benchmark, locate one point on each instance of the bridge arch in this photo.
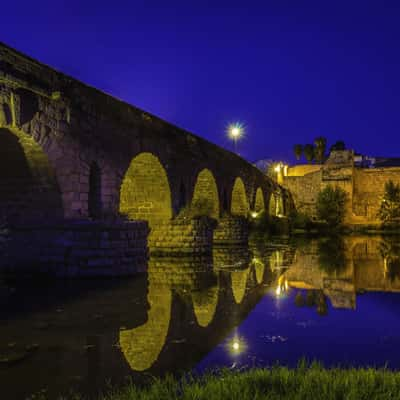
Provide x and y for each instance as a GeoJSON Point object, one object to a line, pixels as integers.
{"type": "Point", "coordinates": [259, 203]}
{"type": "Point", "coordinates": [29, 188]}
{"type": "Point", "coordinates": [205, 199]}
{"type": "Point", "coordinates": [145, 191]}
{"type": "Point", "coordinates": [276, 207]}
{"type": "Point", "coordinates": [239, 202]}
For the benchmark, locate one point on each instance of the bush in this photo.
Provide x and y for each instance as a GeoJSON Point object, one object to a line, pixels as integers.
{"type": "Point", "coordinates": [301, 221]}
{"type": "Point", "coordinates": [331, 205]}
{"type": "Point", "coordinates": [389, 210]}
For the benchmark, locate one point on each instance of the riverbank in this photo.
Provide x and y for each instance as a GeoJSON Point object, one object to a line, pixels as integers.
{"type": "Point", "coordinates": [304, 382]}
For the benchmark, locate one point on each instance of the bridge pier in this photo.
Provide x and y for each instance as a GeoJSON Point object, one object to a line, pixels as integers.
{"type": "Point", "coordinates": [232, 230]}
{"type": "Point", "coordinates": [76, 249]}
{"type": "Point", "coordinates": [182, 236]}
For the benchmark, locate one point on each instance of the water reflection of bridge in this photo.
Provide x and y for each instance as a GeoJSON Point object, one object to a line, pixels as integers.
{"type": "Point", "coordinates": [191, 305]}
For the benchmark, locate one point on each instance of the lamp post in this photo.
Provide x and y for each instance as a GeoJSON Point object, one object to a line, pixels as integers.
{"type": "Point", "coordinates": [235, 132]}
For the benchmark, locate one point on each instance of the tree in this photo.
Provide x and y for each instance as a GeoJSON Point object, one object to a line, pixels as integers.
{"type": "Point", "coordinates": [389, 210]}
{"type": "Point", "coordinates": [320, 147]}
{"type": "Point", "coordinates": [339, 145]}
{"type": "Point", "coordinates": [309, 152]}
{"type": "Point", "coordinates": [298, 151]}
{"type": "Point", "coordinates": [331, 205]}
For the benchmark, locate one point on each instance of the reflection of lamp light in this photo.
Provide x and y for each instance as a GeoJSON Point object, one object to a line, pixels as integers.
{"type": "Point", "coordinates": [237, 345]}
{"type": "Point", "coordinates": [278, 290]}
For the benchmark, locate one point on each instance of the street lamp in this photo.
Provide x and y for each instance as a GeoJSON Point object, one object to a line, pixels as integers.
{"type": "Point", "coordinates": [235, 132]}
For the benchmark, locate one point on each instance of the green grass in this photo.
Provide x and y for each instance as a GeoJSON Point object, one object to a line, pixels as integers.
{"type": "Point", "coordinates": [304, 382]}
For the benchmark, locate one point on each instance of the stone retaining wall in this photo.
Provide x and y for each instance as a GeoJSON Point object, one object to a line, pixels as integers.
{"type": "Point", "coordinates": [76, 249]}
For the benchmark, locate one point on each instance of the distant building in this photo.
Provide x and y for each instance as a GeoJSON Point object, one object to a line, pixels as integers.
{"type": "Point", "coordinates": [362, 177]}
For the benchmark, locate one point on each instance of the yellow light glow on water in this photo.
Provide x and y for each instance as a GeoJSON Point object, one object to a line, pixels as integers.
{"type": "Point", "coordinates": [237, 345]}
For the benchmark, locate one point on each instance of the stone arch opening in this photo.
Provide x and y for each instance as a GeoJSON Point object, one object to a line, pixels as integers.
{"type": "Point", "coordinates": [259, 204]}
{"type": "Point", "coordinates": [239, 204]}
{"type": "Point", "coordinates": [276, 205]}
{"type": "Point", "coordinates": [205, 199]}
{"type": "Point", "coordinates": [95, 192]}
{"type": "Point", "coordinates": [145, 191]}
{"type": "Point", "coordinates": [28, 186]}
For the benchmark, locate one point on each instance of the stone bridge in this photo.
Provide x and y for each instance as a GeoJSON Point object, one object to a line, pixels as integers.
{"type": "Point", "coordinates": [85, 177]}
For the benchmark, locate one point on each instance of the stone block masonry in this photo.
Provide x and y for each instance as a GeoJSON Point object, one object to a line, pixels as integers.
{"type": "Point", "coordinates": [232, 230]}
{"type": "Point", "coordinates": [76, 249]}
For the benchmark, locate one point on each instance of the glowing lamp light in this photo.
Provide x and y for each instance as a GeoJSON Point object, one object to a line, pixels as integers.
{"type": "Point", "coordinates": [236, 346]}
{"type": "Point", "coordinates": [235, 132]}
{"type": "Point", "coordinates": [278, 291]}
{"type": "Point", "coordinates": [254, 214]}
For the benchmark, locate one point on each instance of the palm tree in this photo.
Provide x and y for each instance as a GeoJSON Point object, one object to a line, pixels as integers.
{"type": "Point", "coordinates": [309, 152]}
{"type": "Point", "coordinates": [298, 151]}
{"type": "Point", "coordinates": [320, 147]}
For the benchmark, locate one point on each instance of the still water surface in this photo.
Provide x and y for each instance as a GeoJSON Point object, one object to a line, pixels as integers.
{"type": "Point", "coordinates": [336, 300]}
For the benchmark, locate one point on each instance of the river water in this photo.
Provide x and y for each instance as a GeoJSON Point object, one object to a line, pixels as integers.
{"type": "Point", "coordinates": [335, 300]}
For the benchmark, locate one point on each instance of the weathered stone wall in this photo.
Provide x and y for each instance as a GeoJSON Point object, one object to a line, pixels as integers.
{"type": "Point", "coordinates": [76, 249]}
{"type": "Point", "coordinates": [364, 188]}
{"type": "Point", "coordinates": [304, 169]}
{"type": "Point", "coordinates": [369, 187]}
{"type": "Point", "coordinates": [304, 191]}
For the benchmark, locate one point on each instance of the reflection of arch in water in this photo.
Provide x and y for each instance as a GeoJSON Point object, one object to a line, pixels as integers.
{"type": "Point", "coordinates": [259, 269]}
{"type": "Point", "coordinates": [205, 196]}
{"type": "Point", "coordinates": [259, 204]}
{"type": "Point", "coordinates": [141, 346]}
{"type": "Point", "coordinates": [28, 184]}
{"type": "Point", "coordinates": [145, 191]}
{"type": "Point", "coordinates": [239, 283]}
{"type": "Point", "coordinates": [239, 203]}
{"type": "Point", "coordinates": [205, 304]}
{"type": "Point", "coordinates": [276, 260]}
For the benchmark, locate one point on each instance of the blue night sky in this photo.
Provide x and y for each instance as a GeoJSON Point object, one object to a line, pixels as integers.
{"type": "Point", "coordinates": [289, 70]}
